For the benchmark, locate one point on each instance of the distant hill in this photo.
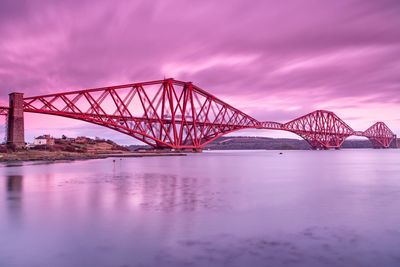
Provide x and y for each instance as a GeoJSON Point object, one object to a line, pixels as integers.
{"type": "Point", "coordinates": [233, 143]}
{"type": "Point", "coordinates": [242, 142]}
{"type": "Point", "coordinates": [250, 143]}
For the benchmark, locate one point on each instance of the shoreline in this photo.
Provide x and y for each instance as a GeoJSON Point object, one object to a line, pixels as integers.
{"type": "Point", "coordinates": [31, 156]}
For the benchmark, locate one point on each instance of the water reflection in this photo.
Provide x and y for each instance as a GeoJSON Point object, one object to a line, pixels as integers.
{"type": "Point", "coordinates": [14, 183]}
{"type": "Point", "coordinates": [14, 186]}
{"type": "Point", "coordinates": [172, 193]}
{"type": "Point", "coordinates": [159, 192]}
{"type": "Point", "coordinates": [211, 209]}
{"type": "Point", "coordinates": [169, 193]}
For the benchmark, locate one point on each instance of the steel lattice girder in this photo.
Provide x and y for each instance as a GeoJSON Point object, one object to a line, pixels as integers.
{"type": "Point", "coordinates": [175, 114]}
{"type": "Point", "coordinates": [3, 111]}
{"type": "Point", "coordinates": [380, 135]}
{"type": "Point", "coordinates": [321, 129]}
{"type": "Point", "coordinates": [165, 113]}
{"type": "Point", "coordinates": [271, 125]}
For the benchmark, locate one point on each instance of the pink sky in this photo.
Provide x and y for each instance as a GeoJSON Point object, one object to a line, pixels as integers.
{"type": "Point", "coordinates": [273, 60]}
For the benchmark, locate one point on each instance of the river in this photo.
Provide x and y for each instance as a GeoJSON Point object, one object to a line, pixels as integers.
{"type": "Point", "coordinates": [220, 208]}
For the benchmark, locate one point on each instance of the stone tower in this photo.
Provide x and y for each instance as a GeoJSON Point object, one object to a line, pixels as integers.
{"type": "Point", "coordinates": [15, 127]}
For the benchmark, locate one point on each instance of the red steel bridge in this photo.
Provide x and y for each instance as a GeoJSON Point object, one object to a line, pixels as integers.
{"type": "Point", "coordinates": [178, 115]}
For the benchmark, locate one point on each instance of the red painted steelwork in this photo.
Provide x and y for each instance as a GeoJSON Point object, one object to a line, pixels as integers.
{"type": "Point", "coordinates": [321, 129]}
{"type": "Point", "coordinates": [165, 113]}
{"type": "Point", "coordinates": [271, 125]}
{"type": "Point", "coordinates": [380, 135]}
{"type": "Point", "coordinates": [4, 111]}
{"type": "Point", "coordinates": [179, 115]}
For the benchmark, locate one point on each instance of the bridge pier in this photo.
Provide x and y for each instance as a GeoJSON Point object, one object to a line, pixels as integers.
{"type": "Point", "coordinates": [15, 124]}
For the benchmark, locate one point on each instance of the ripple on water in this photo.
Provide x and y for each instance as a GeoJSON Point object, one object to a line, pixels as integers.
{"type": "Point", "coordinates": [313, 246]}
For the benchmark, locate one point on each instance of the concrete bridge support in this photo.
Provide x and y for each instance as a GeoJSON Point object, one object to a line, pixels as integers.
{"type": "Point", "coordinates": [15, 127]}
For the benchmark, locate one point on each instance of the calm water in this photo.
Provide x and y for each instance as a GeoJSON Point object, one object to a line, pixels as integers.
{"type": "Point", "coordinates": [249, 208]}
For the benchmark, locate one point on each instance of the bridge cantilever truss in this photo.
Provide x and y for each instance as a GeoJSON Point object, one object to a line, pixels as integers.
{"type": "Point", "coordinates": [380, 135]}
{"type": "Point", "coordinates": [321, 129]}
{"type": "Point", "coordinates": [179, 115]}
{"type": "Point", "coordinates": [4, 111]}
{"type": "Point", "coordinates": [165, 113]}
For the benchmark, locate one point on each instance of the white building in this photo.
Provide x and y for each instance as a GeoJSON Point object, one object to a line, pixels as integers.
{"type": "Point", "coordinates": [43, 140]}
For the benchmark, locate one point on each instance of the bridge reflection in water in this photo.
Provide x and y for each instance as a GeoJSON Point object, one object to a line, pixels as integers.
{"type": "Point", "coordinates": [179, 115]}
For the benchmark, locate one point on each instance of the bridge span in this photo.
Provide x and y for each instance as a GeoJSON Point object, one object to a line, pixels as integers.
{"type": "Point", "coordinates": [174, 114]}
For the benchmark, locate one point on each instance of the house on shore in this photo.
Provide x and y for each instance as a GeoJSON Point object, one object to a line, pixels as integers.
{"type": "Point", "coordinates": [44, 140]}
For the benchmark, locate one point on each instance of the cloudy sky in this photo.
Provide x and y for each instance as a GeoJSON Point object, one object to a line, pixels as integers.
{"type": "Point", "coordinates": [275, 60]}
